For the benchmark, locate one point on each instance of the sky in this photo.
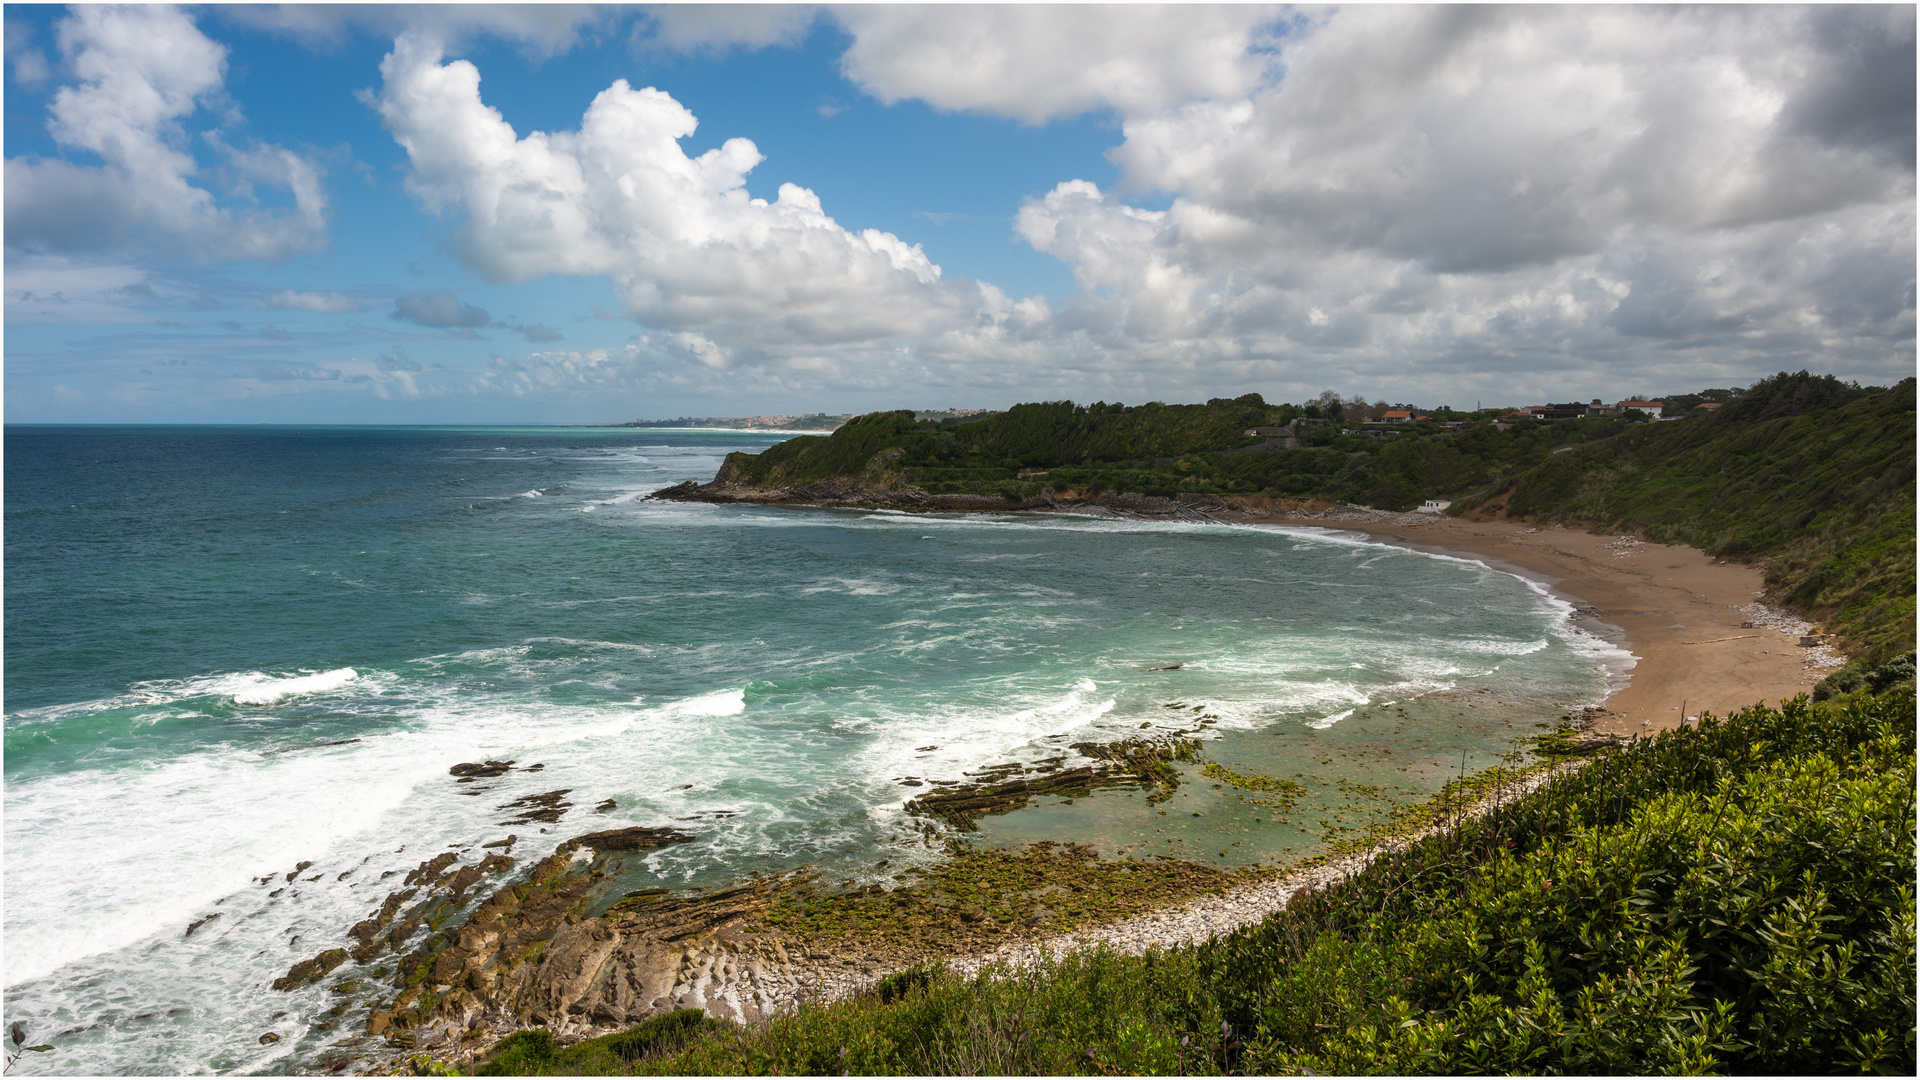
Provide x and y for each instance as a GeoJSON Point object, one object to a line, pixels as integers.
{"type": "Point", "coordinates": [593, 214]}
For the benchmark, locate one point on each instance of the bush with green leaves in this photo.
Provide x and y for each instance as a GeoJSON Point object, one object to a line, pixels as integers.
{"type": "Point", "coordinates": [1860, 675]}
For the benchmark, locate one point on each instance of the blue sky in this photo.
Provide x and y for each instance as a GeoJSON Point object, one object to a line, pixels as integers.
{"type": "Point", "coordinates": [305, 214]}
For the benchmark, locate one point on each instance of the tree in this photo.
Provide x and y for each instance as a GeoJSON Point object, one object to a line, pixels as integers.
{"type": "Point", "coordinates": [1330, 405]}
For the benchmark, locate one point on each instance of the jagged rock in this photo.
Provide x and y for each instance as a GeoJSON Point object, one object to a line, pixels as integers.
{"type": "Point", "coordinates": [634, 838]}
{"type": "Point", "coordinates": [480, 770]}
{"type": "Point", "coordinates": [1131, 761]}
{"type": "Point", "coordinates": [548, 807]}
{"type": "Point", "coordinates": [467, 876]}
{"type": "Point", "coordinates": [198, 923]}
{"type": "Point", "coordinates": [309, 971]}
{"type": "Point", "coordinates": [297, 868]}
{"type": "Point", "coordinates": [428, 872]}
{"type": "Point", "coordinates": [269, 1039]}
{"type": "Point", "coordinates": [526, 949]}
{"type": "Point", "coordinates": [368, 930]}
{"type": "Point", "coordinates": [1592, 742]}
{"type": "Point", "coordinates": [507, 843]}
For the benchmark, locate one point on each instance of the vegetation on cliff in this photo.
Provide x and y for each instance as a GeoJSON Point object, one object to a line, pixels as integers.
{"type": "Point", "coordinates": [1810, 475]}
{"type": "Point", "coordinates": [1736, 896]}
{"type": "Point", "coordinates": [1163, 450]}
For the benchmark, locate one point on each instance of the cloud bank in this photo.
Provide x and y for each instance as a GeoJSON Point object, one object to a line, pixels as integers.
{"type": "Point", "coordinates": [1044, 61]}
{"type": "Point", "coordinates": [1439, 197]}
{"type": "Point", "coordinates": [1449, 192]}
{"type": "Point", "coordinates": [1507, 203]}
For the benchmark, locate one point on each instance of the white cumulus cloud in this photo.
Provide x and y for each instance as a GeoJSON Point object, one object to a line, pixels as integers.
{"type": "Point", "coordinates": [1042, 61]}
{"type": "Point", "coordinates": [328, 302]}
{"type": "Point", "coordinates": [681, 238]}
{"type": "Point", "coordinates": [1435, 194]}
{"type": "Point", "coordinates": [142, 72]}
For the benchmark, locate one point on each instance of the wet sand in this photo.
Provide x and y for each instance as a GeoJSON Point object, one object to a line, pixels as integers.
{"type": "Point", "coordinates": [1677, 609]}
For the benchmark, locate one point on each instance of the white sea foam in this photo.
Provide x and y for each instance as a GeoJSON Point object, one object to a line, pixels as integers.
{"type": "Point", "coordinates": [1612, 659]}
{"type": "Point", "coordinates": [200, 827]}
{"type": "Point", "coordinates": [854, 586]}
{"type": "Point", "coordinates": [254, 688]}
{"type": "Point", "coordinates": [718, 703]}
{"type": "Point", "coordinates": [1497, 648]}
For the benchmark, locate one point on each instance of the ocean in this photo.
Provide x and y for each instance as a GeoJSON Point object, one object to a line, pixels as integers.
{"type": "Point", "coordinates": [231, 652]}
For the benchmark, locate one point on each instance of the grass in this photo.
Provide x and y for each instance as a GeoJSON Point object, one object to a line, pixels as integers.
{"type": "Point", "coordinates": [1735, 896]}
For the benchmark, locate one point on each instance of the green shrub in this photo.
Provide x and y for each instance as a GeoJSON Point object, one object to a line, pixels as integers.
{"type": "Point", "coordinates": [1859, 675]}
{"type": "Point", "coordinates": [534, 1052]}
{"type": "Point", "coordinates": [523, 1053]}
{"type": "Point", "coordinates": [1737, 896]}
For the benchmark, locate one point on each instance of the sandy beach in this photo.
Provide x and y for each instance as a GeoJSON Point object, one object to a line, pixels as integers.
{"type": "Point", "coordinates": [1677, 609]}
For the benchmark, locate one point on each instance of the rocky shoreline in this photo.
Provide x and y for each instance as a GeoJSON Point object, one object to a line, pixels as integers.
{"type": "Point", "coordinates": [533, 953]}
{"type": "Point", "coordinates": [720, 952]}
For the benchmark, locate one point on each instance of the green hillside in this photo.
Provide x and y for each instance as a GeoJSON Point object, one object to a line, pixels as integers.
{"type": "Point", "coordinates": [1157, 449]}
{"type": "Point", "coordinates": [1811, 475]}
{"type": "Point", "coordinates": [1806, 473]}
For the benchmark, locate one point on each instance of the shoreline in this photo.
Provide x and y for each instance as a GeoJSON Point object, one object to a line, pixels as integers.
{"type": "Point", "coordinates": [1700, 636]}
{"type": "Point", "coordinates": [1676, 611]}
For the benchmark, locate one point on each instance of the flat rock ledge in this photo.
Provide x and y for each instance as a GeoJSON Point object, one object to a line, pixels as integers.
{"type": "Point", "coordinates": [650, 954]}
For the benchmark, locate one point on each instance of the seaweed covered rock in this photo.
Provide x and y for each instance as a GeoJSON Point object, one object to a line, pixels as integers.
{"type": "Point", "coordinates": [311, 971]}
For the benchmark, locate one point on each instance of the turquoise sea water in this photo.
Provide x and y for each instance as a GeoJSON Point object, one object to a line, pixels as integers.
{"type": "Point", "coordinates": [230, 651]}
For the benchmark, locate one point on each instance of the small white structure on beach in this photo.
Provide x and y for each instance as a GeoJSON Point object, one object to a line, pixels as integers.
{"type": "Point", "coordinates": [1434, 506]}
